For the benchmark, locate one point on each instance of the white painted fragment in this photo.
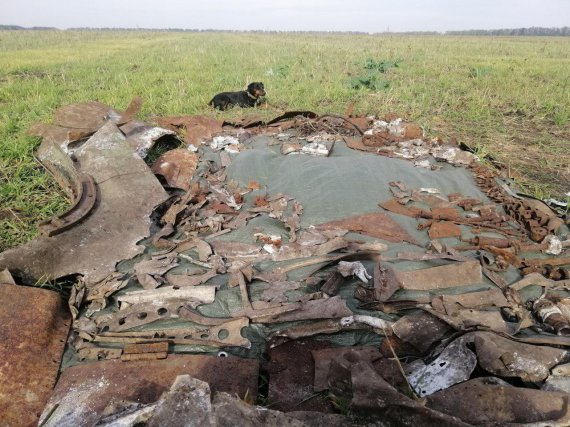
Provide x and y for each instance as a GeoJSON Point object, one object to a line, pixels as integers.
{"type": "Point", "coordinates": [422, 164]}
{"type": "Point", "coordinates": [430, 190]}
{"type": "Point", "coordinates": [454, 365]}
{"type": "Point", "coordinates": [554, 245]}
{"type": "Point", "coordinates": [316, 149]}
{"type": "Point", "coordinates": [354, 269]}
{"type": "Point", "coordinates": [221, 142]}
{"type": "Point", "coordinates": [375, 322]}
{"type": "Point", "coordinates": [271, 249]}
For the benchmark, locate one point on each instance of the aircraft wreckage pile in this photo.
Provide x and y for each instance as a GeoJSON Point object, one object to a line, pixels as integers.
{"type": "Point", "coordinates": [338, 270]}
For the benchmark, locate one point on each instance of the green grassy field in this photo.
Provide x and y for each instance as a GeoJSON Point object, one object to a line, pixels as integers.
{"type": "Point", "coordinates": [509, 97]}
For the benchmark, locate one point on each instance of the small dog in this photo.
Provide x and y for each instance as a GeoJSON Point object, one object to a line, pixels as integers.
{"type": "Point", "coordinates": [244, 98]}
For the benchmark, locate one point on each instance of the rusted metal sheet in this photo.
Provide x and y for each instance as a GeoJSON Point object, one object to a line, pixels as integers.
{"type": "Point", "coordinates": [145, 351]}
{"type": "Point", "coordinates": [249, 121]}
{"type": "Point", "coordinates": [324, 308]}
{"type": "Point", "coordinates": [177, 167]}
{"type": "Point", "coordinates": [469, 319]}
{"type": "Point", "coordinates": [420, 329]}
{"type": "Point", "coordinates": [330, 326]}
{"type": "Point", "coordinates": [158, 347]}
{"type": "Point", "coordinates": [33, 330]}
{"type": "Point", "coordinates": [357, 144]}
{"type": "Point", "coordinates": [290, 115]}
{"type": "Point", "coordinates": [110, 234]}
{"type": "Point", "coordinates": [441, 229]}
{"type": "Point", "coordinates": [291, 370]}
{"type": "Point", "coordinates": [333, 283]}
{"type": "Point", "coordinates": [394, 206]}
{"type": "Point", "coordinates": [493, 401]}
{"type": "Point", "coordinates": [87, 116]}
{"type": "Point", "coordinates": [450, 304]}
{"type": "Point", "coordinates": [444, 276]}
{"type": "Point", "coordinates": [385, 281]}
{"type": "Point", "coordinates": [51, 133]}
{"type": "Point", "coordinates": [84, 391]}
{"type": "Point", "coordinates": [373, 224]}
{"type": "Point", "coordinates": [197, 128]}
{"type": "Point", "coordinates": [441, 213]}
{"type": "Point", "coordinates": [506, 358]}
{"type": "Point", "coordinates": [376, 400]}
{"type": "Point", "coordinates": [343, 356]}
{"type": "Point", "coordinates": [131, 111]}
{"type": "Point", "coordinates": [539, 280]}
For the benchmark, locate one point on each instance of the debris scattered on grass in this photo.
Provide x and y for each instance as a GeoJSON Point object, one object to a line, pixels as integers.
{"type": "Point", "coordinates": [231, 264]}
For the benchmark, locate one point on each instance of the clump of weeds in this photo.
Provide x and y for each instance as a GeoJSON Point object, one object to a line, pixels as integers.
{"type": "Point", "coordinates": [373, 79]}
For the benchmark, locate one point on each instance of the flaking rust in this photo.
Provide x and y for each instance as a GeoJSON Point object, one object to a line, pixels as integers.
{"type": "Point", "coordinates": [373, 224]}
{"type": "Point", "coordinates": [445, 276]}
{"type": "Point", "coordinates": [150, 351]}
{"type": "Point", "coordinates": [177, 167]}
{"type": "Point", "coordinates": [33, 330]}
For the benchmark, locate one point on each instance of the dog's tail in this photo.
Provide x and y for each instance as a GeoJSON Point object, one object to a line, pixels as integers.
{"type": "Point", "coordinates": [211, 103]}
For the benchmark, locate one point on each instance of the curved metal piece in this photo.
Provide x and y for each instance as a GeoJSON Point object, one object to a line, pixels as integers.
{"type": "Point", "coordinates": [84, 203]}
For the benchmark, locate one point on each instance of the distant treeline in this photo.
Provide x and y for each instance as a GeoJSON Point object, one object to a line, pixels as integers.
{"type": "Point", "coordinates": [17, 27]}
{"type": "Point", "coordinates": [532, 31]}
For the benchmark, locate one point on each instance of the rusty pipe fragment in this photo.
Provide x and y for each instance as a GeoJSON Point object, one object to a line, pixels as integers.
{"type": "Point", "coordinates": [551, 316]}
{"type": "Point", "coordinates": [554, 262]}
{"type": "Point", "coordinates": [551, 245]}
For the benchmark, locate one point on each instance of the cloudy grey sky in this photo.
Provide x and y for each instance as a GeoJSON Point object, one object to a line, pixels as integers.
{"type": "Point", "coordinates": [321, 15]}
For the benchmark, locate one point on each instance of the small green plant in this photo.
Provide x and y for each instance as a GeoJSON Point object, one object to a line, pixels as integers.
{"type": "Point", "coordinates": [560, 118]}
{"type": "Point", "coordinates": [282, 70]}
{"type": "Point", "coordinates": [381, 66]}
{"type": "Point", "coordinates": [370, 81]}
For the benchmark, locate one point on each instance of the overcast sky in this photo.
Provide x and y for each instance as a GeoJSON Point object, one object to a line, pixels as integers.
{"type": "Point", "coordinates": [316, 15]}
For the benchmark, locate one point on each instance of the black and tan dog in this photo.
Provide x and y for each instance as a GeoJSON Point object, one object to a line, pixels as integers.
{"type": "Point", "coordinates": [244, 98]}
